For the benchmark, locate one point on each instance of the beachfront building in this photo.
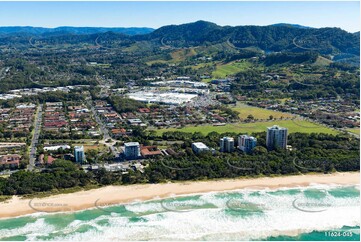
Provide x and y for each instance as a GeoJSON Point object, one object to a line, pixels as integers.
{"type": "Point", "coordinates": [79, 154]}
{"type": "Point", "coordinates": [276, 137]}
{"type": "Point", "coordinates": [199, 147]}
{"type": "Point", "coordinates": [150, 151]}
{"type": "Point", "coordinates": [131, 150]}
{"type": "Point", "coordinates": [226, 144]}
{"type": "Point", "coordinates": [12, 160]}
{"type": "Point", "coordinates": [246, 143]}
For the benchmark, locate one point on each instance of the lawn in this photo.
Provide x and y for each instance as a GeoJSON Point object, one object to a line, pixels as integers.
{"type": "Point", "coordinates": [258, 113]}
{"type": "Point", "coordinates": [200, 65]}
{"type": "Point", "coordinates": [322, 61]}
{"type": "Point", "coordinates": [231, 68]}
{"type": "Point", "coordinates": [87, 147]}
{"type": "Point", "coordinates": [181, 55]}
{"type": "Point", "coordinates": [78, 141]}
{"type": "Point", "coordinates": [292, 125]}
{"type": "Point", "coordinates": [177, 56]}
{"type": "Point", "coordinates": [283, 100]}
{"type": "Point", "coordinates": [156, 61]}
{"type": "Point", "coordinates": [354, 131]}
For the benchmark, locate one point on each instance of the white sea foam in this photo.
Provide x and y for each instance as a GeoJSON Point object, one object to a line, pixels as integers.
{"type": "Point", "coordinates": [31, 230]}
{"type": "Point", "coordinates": [278, 216]}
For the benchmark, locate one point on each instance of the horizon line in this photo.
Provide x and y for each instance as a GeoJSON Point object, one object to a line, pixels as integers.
{"type": "Point", "coordinates": [154, 28]}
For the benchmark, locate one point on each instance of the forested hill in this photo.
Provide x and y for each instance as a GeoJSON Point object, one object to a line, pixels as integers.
{"type": "Point", "coordinates": [268, 38]}
{"type": "Point", "coordinates": [340, 45]}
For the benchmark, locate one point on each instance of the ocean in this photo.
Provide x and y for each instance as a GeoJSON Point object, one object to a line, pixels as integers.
{"type": "Point", "coordinates": [316, 212]}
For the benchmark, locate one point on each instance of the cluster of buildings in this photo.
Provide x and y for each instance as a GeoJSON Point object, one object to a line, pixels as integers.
{"type": "Point", "coordinates": [52, 152]}
{"type": "Point", "coordinates": [276, 139]}
{"type": "Point", "coordinates": [173, 92]}
{"type": "Point", "coordinates": [177, 116]}
{"type": "Point", "coordinates": [246, 144]}
{"type": "Point", "coordinates": [226, 144]}
{"type": "Point", "coordinates": [168, 98]}
{"type": "Point", "coordinates": [11, 160]}
{"type": "Point", "coordinates": [17, 93]}
{"type": "Point", "coordinates": [113, 120]}
{"type": "Point", "coordinates": [120, 132]}
{"type": "Point", "coordinates": [222, 85]}
{"type": "Point", "coordinates": [81, 120]}
{"type": "Point", "coordinates": [54, 118]}
{"type": "Point", "coordinates": [120, 125]}
{"type": "Point", "coordinates": [329, 111]}
{"type": "Point", "coordinates": [133, 151]}
{"type": "Point", "coordinates": [107, 113]}
{"type": "Point", "coordinates": [181, 82]}
{"type": "Point", "coordinates": [17, 121]}
{"type": "Point", "coordinates": [11, 154]}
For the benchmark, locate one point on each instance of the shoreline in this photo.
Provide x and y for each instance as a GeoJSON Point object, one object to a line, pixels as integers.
{"type": "Point", "coordinates": [122, 194]}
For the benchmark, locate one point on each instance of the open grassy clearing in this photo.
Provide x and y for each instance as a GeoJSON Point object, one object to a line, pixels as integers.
{"type": "Point", "coordinates": [283, 100]}
{"type": "Point", "coordinates": [200, 65]}
{"type": "Point", "coordinates": [79, 141]}
{"type": "Point", "coordinates": [322, 61]}
{"type": "Point", "coordinates": [258, 113]}
{"type": "Point", "coordinates": [292, 125]}
{"type": "Point", "coordinates": [87, 147]}
{"type": "Point", "coordinates": [157, 61]}
{"type": "Point", "coordinates": [177, 56]}
{"type": "Point", "coordinates": [354, 131]}
{"type": "Point", "coordinates": [224, 70]}
{"type": "Point", "coordinates": [181, 55]}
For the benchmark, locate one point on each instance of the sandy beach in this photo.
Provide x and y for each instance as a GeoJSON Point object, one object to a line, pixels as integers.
{"type": "Point", "coordinates": [112, 195]}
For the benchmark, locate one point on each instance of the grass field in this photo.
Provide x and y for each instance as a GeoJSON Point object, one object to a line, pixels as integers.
{"type": "Point", "coordinates": [258, 113]}
{"type": "Point", "coordinates": [200, 65]}
{"type": "Point", "coordinates": [177, 56]}
{"type": "Point", "coordinates": [283, 100]}
{"type": "Point", "coordinates": [322, 61]}
{"type": "Point", "coordinates": [292, 125]}
{"type": "Point", "coordinates": [157, 61]}
{"type": "Point", "coordinates": [181, 55]}
{"type": "Point", "coordinates": [354, 131]}
{"type": "Point", "coordinates": [87, 147]}
{"type": "Point", "coordinates": [231, 68]}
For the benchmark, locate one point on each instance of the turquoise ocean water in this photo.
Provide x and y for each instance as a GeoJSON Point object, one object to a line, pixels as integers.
{"type": "Point", "coordinates": [317, 212]}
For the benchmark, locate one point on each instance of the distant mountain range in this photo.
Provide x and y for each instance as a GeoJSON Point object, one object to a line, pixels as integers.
{"type": "Point", "coordinates": [282, 37]}
{"type": "Point", "coordinates": [72, 30]}
{"type": "Point", "coordinates": [275, 38]}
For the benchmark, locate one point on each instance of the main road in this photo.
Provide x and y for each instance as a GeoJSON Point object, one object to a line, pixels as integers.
{"type": "Point", "coordinates": [35, 138]}
{"type": "Point", "coordinates": [104, 130]}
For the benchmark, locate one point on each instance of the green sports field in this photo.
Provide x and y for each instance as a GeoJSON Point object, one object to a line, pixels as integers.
{"type": "Point", "coordinates": [258, 113]}
{"type": "Point", "coordinates": [292, 125]}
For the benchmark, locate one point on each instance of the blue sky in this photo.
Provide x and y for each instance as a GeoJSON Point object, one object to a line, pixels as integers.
{"type": "Point", "coordinates": [345, 15]}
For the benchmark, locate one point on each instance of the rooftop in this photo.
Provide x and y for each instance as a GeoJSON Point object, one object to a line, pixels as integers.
{"type": "Point", "coordinates": [79, 148]}
{"type": "Point", "coordinates": [227, 138]}
{"type": "Point", "coordinates": [200, 145]}
{"type": "Point", "coordinates": [131, 144]}
{"type": "Point", "coordinates": [277, 127]}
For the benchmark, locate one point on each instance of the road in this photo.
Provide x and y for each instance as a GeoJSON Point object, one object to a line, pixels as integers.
{"type": "Point", "coordinates": [104, 131]}
{"type": "Point", "coordinates": [10, 144]}
{"type": "Point", "coordinates": [35, 138]}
